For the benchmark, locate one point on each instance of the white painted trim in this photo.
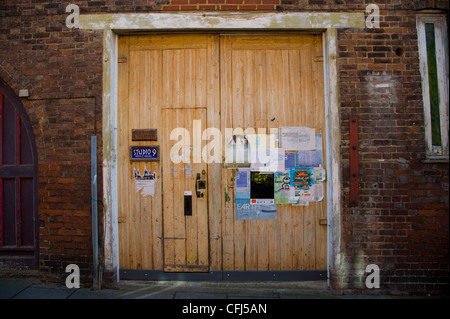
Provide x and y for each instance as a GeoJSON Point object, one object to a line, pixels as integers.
{"type": "Point", "coordinates": [443, 75]}
{"type": "Point", "coordinates": [333, 147]}
{"type": "Point", "coordinates": [109, 132]}
{"type": "Point", "coordinates": [222, 21]}
{"type": "Point", "coordinates": [113, 23]}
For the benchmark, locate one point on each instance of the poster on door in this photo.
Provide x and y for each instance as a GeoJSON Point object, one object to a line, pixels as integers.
{"type": "Point", "coordinates": [246, 210]}
{"type": "Point", "coordinates": [282, 187]}
{"type": "Point", "coordinates": [145, 184]}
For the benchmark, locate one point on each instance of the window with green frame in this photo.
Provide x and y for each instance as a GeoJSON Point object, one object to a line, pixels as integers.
{"type": "Point", "coordinates": [433, 53]}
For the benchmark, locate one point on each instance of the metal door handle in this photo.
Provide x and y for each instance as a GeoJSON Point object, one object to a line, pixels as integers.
{"type": "Point", "coordinates": [196, 185]}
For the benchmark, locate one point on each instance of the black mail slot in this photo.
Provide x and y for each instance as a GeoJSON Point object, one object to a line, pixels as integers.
{"type": "Point", "coordinates": [187, 205]}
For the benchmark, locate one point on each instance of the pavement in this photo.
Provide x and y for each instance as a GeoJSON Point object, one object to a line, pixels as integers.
{"type": "Point", "coordinates": [34, 288]}
{"type": "Point", "coordinates": [182, 299]}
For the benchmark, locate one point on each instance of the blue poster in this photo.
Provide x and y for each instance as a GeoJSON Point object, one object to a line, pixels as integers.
{"type": "Point", "coordinates": [242, 187]}
{"type": "Point", "coordinates": [311, 157]}
{"type": "Point", "coordinates": [290, 158]}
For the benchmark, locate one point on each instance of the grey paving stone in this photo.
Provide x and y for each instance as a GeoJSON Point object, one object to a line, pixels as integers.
{"type": "Point", "coordinates": [9, 287]}
{"type": "Point", "coordinates": [87, 293]}
{"type": "Point", "coordinates": [45, 292]}
{"type": "Point", "coordinates": [199, 295]}
{"type": "Point", "coordinates": [233, 296]}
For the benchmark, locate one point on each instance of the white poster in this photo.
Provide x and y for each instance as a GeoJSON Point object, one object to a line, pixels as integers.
{"type": "Point", "coordinates": [145, 183]}
{"type": "Point", "coordinates": [298, 138]}
{"type": "Point", "coordinates": [272, 160]}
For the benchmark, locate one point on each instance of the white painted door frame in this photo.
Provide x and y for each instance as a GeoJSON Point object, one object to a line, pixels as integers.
{"type": "Point", "coordinates": [127, 23]}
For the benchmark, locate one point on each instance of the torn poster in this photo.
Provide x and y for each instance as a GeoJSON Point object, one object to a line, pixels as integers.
{"type": "Point", "coordinates": [319, 174]}
{"type": "Point", "coordinates": [282, 187]}
{"type": "Point", "coordinates": [302, 196]}
{"type": "Point", "coordinates": [187, 169]}
{"type": "Point", "coordinates": [145, 183]}
{"type": "Point", "coordinates": [297, 138]}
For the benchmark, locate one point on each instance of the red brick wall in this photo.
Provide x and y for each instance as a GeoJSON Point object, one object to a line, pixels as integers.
{"type": "Point", "coordinates": [401, 222]}
{"type": "Point", "coordinates": [62, 69]}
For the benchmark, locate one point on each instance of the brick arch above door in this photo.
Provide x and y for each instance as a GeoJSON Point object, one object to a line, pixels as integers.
{"type": "Point", "coordinates": [19, 231]}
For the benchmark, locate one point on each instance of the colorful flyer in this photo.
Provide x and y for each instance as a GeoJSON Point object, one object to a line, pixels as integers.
{"type": "Point", "coordinates": [282, 187]}
{"type": "Point", "coordinates": [302, 177]}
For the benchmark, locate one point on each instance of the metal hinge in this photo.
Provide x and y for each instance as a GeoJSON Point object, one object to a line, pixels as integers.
{"type": "Point", "coordinates": [122, 59]}
{"type": "Point", "coordinates": [318, 59]}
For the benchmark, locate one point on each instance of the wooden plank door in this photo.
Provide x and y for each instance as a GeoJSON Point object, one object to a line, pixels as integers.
{"type": "Point", "coordinates": [185, 205]}
{"type": "Point", "coordinates": [272, 81]}
{"type": "Point", "coordinates": [166, 81]}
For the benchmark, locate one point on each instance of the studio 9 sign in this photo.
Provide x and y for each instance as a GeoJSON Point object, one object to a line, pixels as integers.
{"type": "Point", "coordinates": [144, 153]}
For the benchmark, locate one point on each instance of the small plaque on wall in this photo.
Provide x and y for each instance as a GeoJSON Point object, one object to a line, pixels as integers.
{"type": "Point", "coordinates": [144, 153]}
{"type": "Point", "coordinates": [144, 134]}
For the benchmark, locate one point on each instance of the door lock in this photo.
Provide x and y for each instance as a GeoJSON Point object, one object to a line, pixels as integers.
{"type": "Point", "coordinates": [200, 184]}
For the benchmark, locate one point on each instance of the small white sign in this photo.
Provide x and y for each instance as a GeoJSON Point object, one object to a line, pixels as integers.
{"type": "Point", "coordinates": [187, 193]}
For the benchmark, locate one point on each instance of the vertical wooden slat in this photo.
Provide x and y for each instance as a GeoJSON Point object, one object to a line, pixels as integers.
{"type": "Point", "coordinates": [178, 217]}
{"type": "Point", "coordinates": [145, 203]}
{"type": "Point", "coordinates": [202, 207]}
{"type": "Point", "coordinates": [133, 118]}
{"type": "Point", "coordinates": [190, 222]}
{"type": "Point", "coordinates": [1, 214]}
{"type": "Point", "coordinates": [240, 241]}
{"type": "Point", "coordinates": [228, 218]}
{"type": "Point", "coordinates": [168, 191]}
{"type": "Point", "coordinates": [155, 60]}
{"type": "Point", "coordinates": [319, 106]}
{"type": "Point", "coordinates": [1, 127]}
{"type": "Point", "coordinates": [1, 179]}
{"type": "Point", "coordinates": [19, 200]}
{"type": "Point", "coordinates": [214, 169]}
{"type": "Point", "coordinates": [123, 154]}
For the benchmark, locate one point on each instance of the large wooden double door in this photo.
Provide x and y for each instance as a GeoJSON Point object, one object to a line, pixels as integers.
{"type": "Point", "coordinates": [180, 85]}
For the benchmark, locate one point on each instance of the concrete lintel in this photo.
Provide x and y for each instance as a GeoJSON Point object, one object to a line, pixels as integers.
{"type": "Point", "coordinates": [222, 21]}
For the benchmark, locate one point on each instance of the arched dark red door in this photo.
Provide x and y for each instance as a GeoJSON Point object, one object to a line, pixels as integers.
{"type": "Point", "coordinates": [19, 241]}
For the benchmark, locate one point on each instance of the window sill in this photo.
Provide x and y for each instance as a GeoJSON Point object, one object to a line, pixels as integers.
{"type": "Point", "coordinates": [436, 160]}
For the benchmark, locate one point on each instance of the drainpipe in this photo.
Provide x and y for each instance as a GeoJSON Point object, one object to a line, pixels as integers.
{"type": "Point", "coordinates": [95, 264]}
